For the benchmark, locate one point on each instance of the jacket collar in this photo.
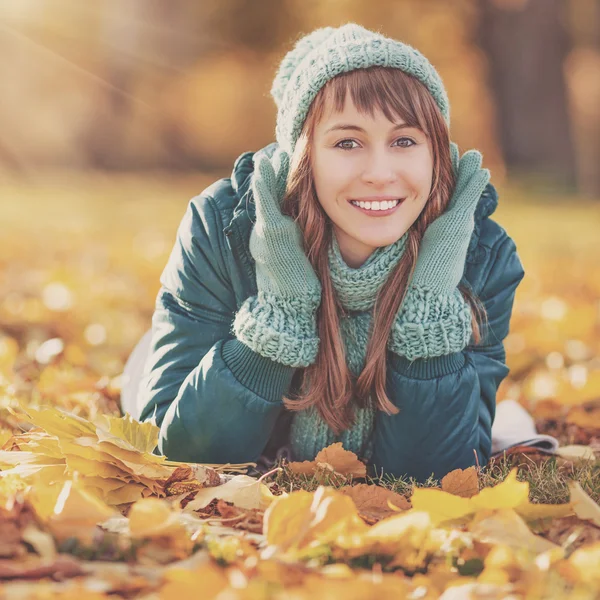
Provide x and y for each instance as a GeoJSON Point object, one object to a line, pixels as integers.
{"type": "Point", "coordinates": [244, 214]}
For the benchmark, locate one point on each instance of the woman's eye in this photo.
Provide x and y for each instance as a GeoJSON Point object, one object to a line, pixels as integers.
{"type": "Point", "coordinates": [406, 145]}
{"type": "Point", "coordinates": [339, 144]}
{"type": "Point", "coordinates": [403, 142]}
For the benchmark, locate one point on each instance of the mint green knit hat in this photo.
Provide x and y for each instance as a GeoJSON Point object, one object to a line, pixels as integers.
{"type": "Point", "coordinates": [321, 55]}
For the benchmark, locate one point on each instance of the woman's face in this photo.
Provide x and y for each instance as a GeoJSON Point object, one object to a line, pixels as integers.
{"type": "Point", "coordinates": [356, 157]}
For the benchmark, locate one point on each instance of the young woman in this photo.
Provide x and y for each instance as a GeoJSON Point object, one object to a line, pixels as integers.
{"type": "Point", "coordinates": [344, 284]}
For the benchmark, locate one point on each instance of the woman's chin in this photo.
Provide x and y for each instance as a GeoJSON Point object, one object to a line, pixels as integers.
{"type": "Point", "coordinates": [379, 239]}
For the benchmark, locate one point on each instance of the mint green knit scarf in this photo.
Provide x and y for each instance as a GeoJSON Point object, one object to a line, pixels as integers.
{"type": "Point", "coordinates": [357, 290]}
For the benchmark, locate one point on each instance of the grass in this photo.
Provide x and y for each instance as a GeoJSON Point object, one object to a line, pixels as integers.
{"type": "Point", "coordinates": [548, 479]}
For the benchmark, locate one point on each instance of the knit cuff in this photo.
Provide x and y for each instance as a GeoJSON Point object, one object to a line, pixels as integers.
{"type": "Point", "coordinates": [431, 324]}
{"type": "Point", "coordinates": [284, 330]}
{"type": "Point", "coordinates": [266, 378]}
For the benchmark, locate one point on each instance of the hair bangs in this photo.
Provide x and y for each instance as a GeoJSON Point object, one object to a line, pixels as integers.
{"type": "Point", "coordinates": [397, 95]}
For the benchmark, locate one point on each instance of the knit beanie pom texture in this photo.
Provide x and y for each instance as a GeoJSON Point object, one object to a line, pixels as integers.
{"type": "Point", "coordinates": [327, 52]}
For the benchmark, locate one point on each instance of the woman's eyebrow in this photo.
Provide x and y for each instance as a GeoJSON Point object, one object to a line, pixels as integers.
{"type": "Point", "coordinates": [350, 127]}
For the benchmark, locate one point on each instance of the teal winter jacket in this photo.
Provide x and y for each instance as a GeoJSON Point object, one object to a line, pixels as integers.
{"type": "Point", "coordinates": [217, 401]}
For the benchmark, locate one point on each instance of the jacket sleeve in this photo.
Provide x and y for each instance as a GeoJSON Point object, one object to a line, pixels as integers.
{"type": "Point", "coordinates": [214, 399]}
{"type": "Point", "coordinates": [447, 404]}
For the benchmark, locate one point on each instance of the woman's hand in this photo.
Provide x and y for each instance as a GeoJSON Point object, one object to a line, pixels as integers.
{"type": "Point", "coordinates": [443, 251]}
{"type": "Point", "coordinates": [434, 319]}
{"type": "Point", "coordinates": [282, 267]}
{"type": "Point", "coordinates": [280, 321]}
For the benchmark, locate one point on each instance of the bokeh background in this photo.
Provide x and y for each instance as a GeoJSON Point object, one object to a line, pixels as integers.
{"type": "Point", "coordinates": [114, 113]}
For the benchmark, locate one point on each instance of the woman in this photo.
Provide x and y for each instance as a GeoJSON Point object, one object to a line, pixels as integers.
{"type": "Point", "coordinates": [345, 284]}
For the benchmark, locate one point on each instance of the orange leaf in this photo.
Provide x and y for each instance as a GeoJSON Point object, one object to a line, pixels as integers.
{"type": "Point", "coordinates": [333, 458]}
{"type": "Point", "coordinates": [461, 482]}
{"type": "Point", "coordinates": [373, 501]}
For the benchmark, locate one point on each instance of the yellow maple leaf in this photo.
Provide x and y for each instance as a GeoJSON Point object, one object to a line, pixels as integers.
{"type": "Point", "coordinates": [509, 493]}
{"type": "Point", "coordinates": [126, 432]}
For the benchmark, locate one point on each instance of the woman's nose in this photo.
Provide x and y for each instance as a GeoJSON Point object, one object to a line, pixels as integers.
{"type": "Point", "coordinates": [379, 168]}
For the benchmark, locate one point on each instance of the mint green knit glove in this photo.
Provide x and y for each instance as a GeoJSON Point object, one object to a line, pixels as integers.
{"type": "Point", "coordinates": [434, 318]}
{"type": "Point", "coordinates": [280, 321]}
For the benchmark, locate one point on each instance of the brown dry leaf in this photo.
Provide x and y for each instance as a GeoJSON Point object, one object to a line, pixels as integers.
{"type": "Point", "coordinates": [333, 458]}
{"type": "Point", "coordinates": [191, 478]}
{"type": "Point", "coordinates": [240, 518]}
{"type": "Point", "coordinates": [461, 482]}
{"type": "Point", "coordinates": [373, 501]}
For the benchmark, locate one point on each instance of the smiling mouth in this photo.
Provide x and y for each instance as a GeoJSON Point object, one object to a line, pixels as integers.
{"type": "Point", "coordinates": [377, 209]}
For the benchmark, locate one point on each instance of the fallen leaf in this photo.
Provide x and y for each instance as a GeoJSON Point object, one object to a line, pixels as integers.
{"type": "Point", "coordinates": [575, 452]}
{"type": "Point", "coordinates": [583, 506]}
{"type": "Point", "coordinates": [127, 432]}
{"type": "Point", "coordinates": [509, 493]}
{"type": "Point", "coordinates": [373, 501]}
{"type": "Point", "coordinates": [506, 527]}
{"type": "Point", "coordinates": [461, 482]}
{"type": "Point", "coordinates": [192, 476]}
{"type": "Point", "coordinates": [293, 522]}
{"type": "Point", "coordinates": [242, 490]}
{"type": "Point", "coordinates": [333, 458]}
{"type": "Point", "coordinates": [152, 517]}
{"type": "Point", "coordinates": [246, 519]}
{"type": "Point", "coordinates": [74, 512]}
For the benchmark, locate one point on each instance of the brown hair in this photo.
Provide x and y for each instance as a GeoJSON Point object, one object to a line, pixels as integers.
{"type": "Point", "coordinates": [328, 384]}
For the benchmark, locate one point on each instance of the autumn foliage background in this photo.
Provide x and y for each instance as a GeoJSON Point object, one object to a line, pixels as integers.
{"type": "Point", "coordinates": [114, 114]}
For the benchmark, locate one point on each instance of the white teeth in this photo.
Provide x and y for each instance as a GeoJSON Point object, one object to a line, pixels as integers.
{"type": "Point", "coordinates": [384, 205]}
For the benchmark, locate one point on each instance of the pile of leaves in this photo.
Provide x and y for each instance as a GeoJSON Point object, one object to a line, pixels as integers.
{"type": "Point", "coordinates": [87, 509]}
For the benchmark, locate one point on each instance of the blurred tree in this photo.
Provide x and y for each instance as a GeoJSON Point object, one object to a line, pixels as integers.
{"type": "Point", "coordinates": [583, 79]}
{"type": "Point", "coordinates": [526, 43]}
{"type": "Point", "coordinates": [258, 26]}
{"type": "Point", "coordinates": [137, 40]}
